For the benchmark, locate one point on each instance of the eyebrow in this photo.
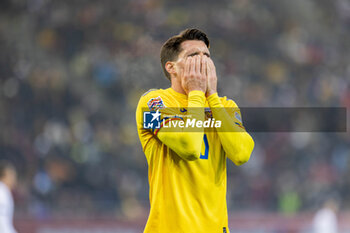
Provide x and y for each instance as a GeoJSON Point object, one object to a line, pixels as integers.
{"type": "Point", "coordinates": [196, 53]}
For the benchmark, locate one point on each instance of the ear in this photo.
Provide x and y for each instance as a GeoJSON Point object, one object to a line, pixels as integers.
{"type": "Point", "coordinates": [170, 67]}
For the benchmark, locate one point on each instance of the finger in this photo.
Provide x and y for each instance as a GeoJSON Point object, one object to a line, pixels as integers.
{"type": "Point", "coordinates": [208, 70]}
{"type": "Point", "coordinates": [212, 67]}
{"type": "Point", "coordinates": [187, 66]}
{"type": "Point", "coordinates": [198, 64]}
{"type": "Point", "coordinates": [193, 65]}
{"type": "Point", "coordinates": [208, 67]}
{"type": "Point", "coordinates": [204, 66]}
{"type": "Point", "coordinates": [212, 64]}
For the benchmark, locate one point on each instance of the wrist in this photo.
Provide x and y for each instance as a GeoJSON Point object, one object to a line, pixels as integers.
{"type": "Point", "coordinates": [196, 98]}
{"type": "Point", "coordinates": [195, 89]}
{"type": "Point", "coordinates": [214, 100]}
{"type": "Point", "coordinates": [210, 92]}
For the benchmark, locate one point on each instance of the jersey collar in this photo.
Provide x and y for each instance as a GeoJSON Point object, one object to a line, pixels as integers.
{"type": "Point", "coordinates": [177, 94]}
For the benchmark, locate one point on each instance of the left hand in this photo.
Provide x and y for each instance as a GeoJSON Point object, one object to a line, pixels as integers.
{"type": "Point", "coordinates": [211, 78]}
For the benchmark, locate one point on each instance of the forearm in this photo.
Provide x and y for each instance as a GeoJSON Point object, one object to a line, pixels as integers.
{"type": "Point", "coordinates": [185, 141]}
{"type": "Point", "coordinates": [237, 143]}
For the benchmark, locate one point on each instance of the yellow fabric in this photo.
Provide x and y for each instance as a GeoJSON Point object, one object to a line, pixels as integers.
{"type": "Point", "coordinates": [184, 142]}
{"type": "Point", "coordinates": [237, 143]}
{"type": "Point", "coordinates": [188, 189]}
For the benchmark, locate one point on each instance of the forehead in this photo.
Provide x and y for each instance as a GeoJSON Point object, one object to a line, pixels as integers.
{"type": "Point", "coordinates": [189, 46]}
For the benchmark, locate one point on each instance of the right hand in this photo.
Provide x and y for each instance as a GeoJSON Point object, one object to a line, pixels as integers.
{"type": "Point", "coordinates": [195, 74]}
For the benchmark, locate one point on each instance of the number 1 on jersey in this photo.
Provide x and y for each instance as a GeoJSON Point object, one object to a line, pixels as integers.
{"type": "Point", "coordinates": [206, 152]}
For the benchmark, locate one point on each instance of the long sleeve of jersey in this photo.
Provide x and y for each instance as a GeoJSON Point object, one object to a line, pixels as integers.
{"type": "Point", "coordinates": [187, 142]}
{"type": "Point", "coordinates": [237, 143]}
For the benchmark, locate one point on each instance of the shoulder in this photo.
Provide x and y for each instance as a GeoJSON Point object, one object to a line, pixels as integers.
{"type": "Point", "coordinates": [149, 91]}
{"type": "Point", "coordinates": [233, 109]}
{"type": "Point", "coordinates": [228, 102]}
{"type": "Point", "coordinates": [154, 99]}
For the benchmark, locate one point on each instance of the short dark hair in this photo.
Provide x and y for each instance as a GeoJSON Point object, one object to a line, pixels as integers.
{"type": "Point", "coordinates": [5, 165]}
{"type": "Point", "coordinates": [172, 47]}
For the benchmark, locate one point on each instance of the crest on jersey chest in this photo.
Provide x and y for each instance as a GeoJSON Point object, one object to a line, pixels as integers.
{"type": "Point", "coordinates": [208, 113]}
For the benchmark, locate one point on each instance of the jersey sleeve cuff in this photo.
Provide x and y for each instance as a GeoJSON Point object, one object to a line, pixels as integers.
{"type": "Point", "coordinates": [214, 101]}
{"type": "Point", "coordinates": [196, 99]}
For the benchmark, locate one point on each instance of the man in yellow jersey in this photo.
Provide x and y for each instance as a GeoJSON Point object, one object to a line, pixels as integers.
{"type": "Point", "coordinates": [187, 169]}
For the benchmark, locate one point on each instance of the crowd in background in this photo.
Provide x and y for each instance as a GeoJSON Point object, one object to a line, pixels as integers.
{"type": "Point", "coordinates": [71, 74]}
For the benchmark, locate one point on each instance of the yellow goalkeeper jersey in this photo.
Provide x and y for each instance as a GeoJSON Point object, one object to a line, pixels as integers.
{"type": "Point", "coordinates": [186, 195]}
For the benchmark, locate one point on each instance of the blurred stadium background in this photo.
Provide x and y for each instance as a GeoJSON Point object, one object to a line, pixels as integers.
{"type": "Point", "coordinates": [71, 73]}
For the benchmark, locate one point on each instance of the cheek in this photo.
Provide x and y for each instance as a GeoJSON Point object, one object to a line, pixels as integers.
{"type": "Point", "coordinates": [179, 66]}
